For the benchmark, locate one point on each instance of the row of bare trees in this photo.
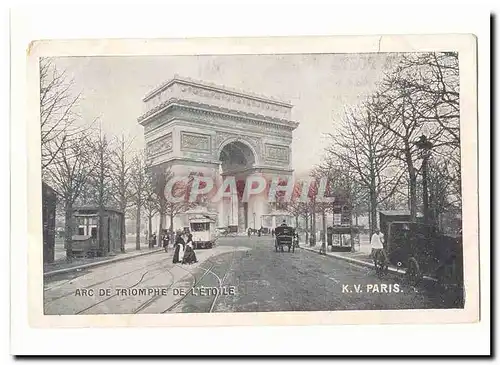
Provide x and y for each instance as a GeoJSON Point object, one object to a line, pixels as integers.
{"type": "Point", "coordinates": [85, 166]}
{"type": "Point", "coordinates": [373, 158]}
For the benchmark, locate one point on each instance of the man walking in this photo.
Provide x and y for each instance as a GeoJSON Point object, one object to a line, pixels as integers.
{"type": "Point", "coordinates": [378, 246]}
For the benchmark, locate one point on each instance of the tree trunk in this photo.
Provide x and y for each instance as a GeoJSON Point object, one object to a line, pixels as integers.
{"type": "Point", "coordinates": [323, 221]}
{"type": "Point", "coordinates": [296, 222]}
{"type": "Point", "coordinates": [150, 228]}
{"type": "Point", "coordinates": [413, 195]}
{"type": "Point", "coordinates": [68, 231]}
{"type": "Point", "coordinates": [307, 228]}
{"type": "Point", "coordinates": [102, 248]}
{"type": "Point", "coordinates": [313, 223]}
{"type": "Point", "coordinates": [138, 228]}
{"type": "Point", "coordinates": [413, 184]}
{"type": "Point", "coordinates": [369, 217]}
{"type": "Point", "coordinates": [160, 228]}
{"type": "Point", "coordinates": [172, 236]}
{"type": "Point", "coordinates": [373, 211]}
{"type": "Point", "coordinates": [123, 234]}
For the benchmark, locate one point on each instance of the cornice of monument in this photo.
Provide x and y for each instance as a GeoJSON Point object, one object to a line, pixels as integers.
{"type": "Point", "coordinates": [261, 169]}
{"type": "Point", "coordinates": [184, 160]}
{"type": "Point", "coordinates": [203, 108]}
{"type": "Point", "coordinates": [214, 87]}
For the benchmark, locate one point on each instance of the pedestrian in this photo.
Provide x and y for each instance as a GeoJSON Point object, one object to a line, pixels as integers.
{"type": "Point", "coordinates": [165, 240]}
{"type": "Point", "coordinates": [189, 254]}
{"type": "Point", "coordinates": [178, 248]}
{"type": "Point", "coordinates": [249, 232]}
{"type": "Point", "coordinates": [377, 245]}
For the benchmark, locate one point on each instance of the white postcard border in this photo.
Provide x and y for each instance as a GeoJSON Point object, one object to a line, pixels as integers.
{"type": "Point", "coordinates": [464, 44]}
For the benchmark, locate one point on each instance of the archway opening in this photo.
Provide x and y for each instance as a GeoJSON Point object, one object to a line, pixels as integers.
{"type": "Point", "coordinates": [237, 159]}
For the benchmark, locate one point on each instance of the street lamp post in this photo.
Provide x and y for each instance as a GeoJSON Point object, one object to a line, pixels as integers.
{"type": "Point", "coordinates": [253, 220]}
{"type": "Point", "coordinates": [425, 146]}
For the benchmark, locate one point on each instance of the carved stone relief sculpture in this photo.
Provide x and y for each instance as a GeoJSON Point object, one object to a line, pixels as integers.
{"type": "Point", "coordinates": [277, 153]}
{"type": "Point", "coordinates": [160, 145]}
{"type": "Point", "coordinates": [195, 141]}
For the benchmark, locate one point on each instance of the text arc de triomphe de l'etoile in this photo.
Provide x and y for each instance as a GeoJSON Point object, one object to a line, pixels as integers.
{"type": "Point", "coordinates": [196, 127]}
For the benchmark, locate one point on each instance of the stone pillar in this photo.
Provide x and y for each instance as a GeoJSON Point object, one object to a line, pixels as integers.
{"type": "Point", "coordinates": [258, 205]}
{"type": "Point", "coordinates": [241, 217]}
{"type": "Point", "coordinates": [234, 209]}
{"type": "Point", "coordinates": [222, 220]}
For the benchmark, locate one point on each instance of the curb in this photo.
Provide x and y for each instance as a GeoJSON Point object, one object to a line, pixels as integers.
{"type": "Point", "coordinates": [368, 264]}
{"type": "Point", "coordinates": [95, 264]}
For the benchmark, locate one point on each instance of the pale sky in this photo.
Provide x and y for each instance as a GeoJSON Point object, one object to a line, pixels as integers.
{"type": "Point", "coordinates": [319, 86]}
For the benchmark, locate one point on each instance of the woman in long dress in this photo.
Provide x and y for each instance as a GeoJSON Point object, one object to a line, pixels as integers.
{"type": "Point", "coordinates": [189, 255]}
{"type": "Point", "coordinates": [179, 249]}
{"type": "Point", "coordinates": [165, 240]}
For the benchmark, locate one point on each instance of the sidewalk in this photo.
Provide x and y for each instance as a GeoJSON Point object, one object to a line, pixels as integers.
{"type": "Point", "coordinates": [61, 266]}
{"type": "Point", "coordinates": [361, 257]}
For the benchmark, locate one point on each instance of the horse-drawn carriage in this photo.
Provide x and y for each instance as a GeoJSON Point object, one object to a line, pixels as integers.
{"type": "Point", "coordinates": [284, 236]}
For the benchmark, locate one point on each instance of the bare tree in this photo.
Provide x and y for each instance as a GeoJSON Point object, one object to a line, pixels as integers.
{"type": "Point", "coordinates": [421, 97]}
{"type": "Point", "coordinates": [100, 180]}
{"type": "Point", "coordinates": [363, 146]}
{"type": "Point", "coordinates": [172, 208]}
{"type": "Point", "coordinates": [121, 179]}
{"type": "Point", "coordinates": [69, 174]}
{"type": "Point", "coordinates": [435, 77]}
{"type": "Point", "coordinates": [296, 206]}
{"type": "Point", "coordinates": [138, 182]}
{"type": "Point", "coordinates": [161, 177]}
{"type": "Point", "coordinates": [150, 201]}
{"type": "Point", "coordinates": [57, 112]}
{"type": "Point", "coordinates": [441, 197]}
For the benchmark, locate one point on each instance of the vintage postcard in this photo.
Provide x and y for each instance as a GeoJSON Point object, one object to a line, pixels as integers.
{"type": "Point", "coordinates": [259, 181]}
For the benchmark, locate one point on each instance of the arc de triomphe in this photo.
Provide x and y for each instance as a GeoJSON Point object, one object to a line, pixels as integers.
{"type": "Point", "coordinates": [196, 127]}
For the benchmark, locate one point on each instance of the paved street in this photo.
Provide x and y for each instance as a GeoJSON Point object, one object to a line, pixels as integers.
{"type": "Point", "coordinates": [240, 274]}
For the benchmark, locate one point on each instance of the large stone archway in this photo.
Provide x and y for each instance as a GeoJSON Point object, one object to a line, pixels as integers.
{"type": "Point", "coordinates": [195, 127]}
{"type": "Point", "coordinates": [236, 156]}
{"type": "Point", "coordinates": [238, 160]}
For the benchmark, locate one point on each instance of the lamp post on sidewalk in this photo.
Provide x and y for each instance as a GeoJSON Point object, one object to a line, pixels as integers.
{"type": "Point", "coordinates": [254, 220]}
{"type": "Point", "coordinates": [425, 146]}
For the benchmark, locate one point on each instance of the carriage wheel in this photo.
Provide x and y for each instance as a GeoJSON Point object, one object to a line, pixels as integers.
{"type": "Point", "coordinates": [413, 272]}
